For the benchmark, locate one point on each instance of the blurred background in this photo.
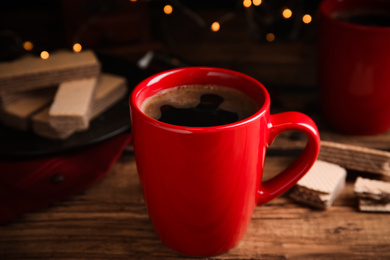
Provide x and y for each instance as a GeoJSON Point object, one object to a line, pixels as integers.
{"type": "Point", "coordinates": [271, 40]}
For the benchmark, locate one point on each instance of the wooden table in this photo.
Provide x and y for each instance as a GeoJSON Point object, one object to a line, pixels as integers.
{"type": "Point", "coordinates": [110, 221]}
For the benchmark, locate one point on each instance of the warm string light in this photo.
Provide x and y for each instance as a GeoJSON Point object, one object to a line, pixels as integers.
{"type": "Point", "coordinates": [168, 9]}
{"type": "Point", "coordinates": [270, 37]}
{"type": "Point", "coordinates": [77, 47]}
{"type": "Point", "coordinates": [306, 18]}
{"type": "Point", "coordinates": [247, 3]}
{"type": "Point", "coordinates": [287, 13]}
{"type": "Point", "coordinates": [44, 55]}
{"type": "Point", "coordinates": [28, 46]}
{"type": "Point", "coordinates": [215, 26]}
{"type": "Point", "coordinates": [257, 2]}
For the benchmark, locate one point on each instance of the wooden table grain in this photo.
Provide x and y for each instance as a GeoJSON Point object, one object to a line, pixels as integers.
{"type": "Point", "coordinates": [110, 221]}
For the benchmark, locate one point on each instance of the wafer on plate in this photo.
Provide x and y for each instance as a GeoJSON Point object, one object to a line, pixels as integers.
{"type": "Point", "coordinates": [32, 72]}
{"type": "Point", "coordinates": [8, 98]}
{"type": "Point", "coordinates": [110, 89]}
{"type": "Point", "coordinates": [72, 103]}
{"type": "Point", "coordinates": [320, 186]}
{"type": "Point", "coordinates": [17, 113]}
{"type": "Point", "coordinates": [374, 195]}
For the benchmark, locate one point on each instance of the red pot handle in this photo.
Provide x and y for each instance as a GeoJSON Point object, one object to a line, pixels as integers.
{"type": "Point", "coordinates": [290, 176]}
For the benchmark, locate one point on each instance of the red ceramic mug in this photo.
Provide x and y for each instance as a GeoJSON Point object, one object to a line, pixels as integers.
{"type": "Point", "coordinates": [354, 65]}
{"type": "Point", "coordinates": [201, 184]}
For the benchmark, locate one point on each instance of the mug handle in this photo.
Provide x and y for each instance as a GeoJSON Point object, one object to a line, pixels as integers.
{"type": "Point", "coordinates": [291, 175]}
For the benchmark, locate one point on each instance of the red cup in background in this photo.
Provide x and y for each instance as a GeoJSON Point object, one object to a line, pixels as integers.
{"type": "Point", "coordinates": [201, 184]}
{"type": "Point", "coordinates": [354, 67]}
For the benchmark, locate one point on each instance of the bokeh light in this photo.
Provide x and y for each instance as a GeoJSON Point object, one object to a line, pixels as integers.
{"type": "Point", "coordinates": [270, 37]}
{"type": "Point", "coordinates": [168, 9]}
{"type": "Point", "coordinates": [77, 47]}
{"type": "Point", "coordinates": [287, 13]}
{"type": "Point", "coordinates": [257, 2]}
{"type": "Point", "coordinates": [28, 46]}
{"type": "Point", "coordinates": [45, 55]}
{"type": "Point", "coordinates": [247, 3]}
{"type": "Point", "coordinates": [306, 18]}
{"type": "Point", "coordinates": [215, 26]}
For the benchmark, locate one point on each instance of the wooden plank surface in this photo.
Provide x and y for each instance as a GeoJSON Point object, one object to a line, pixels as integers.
{"type": "Point", "coordinates": [110, 221]}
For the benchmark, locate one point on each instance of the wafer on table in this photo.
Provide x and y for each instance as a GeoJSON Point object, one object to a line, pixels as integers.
{"type": "Point", "coordinates": [32, 72]}
{"type": "Point", "coordinates": [110, 89]}
{"type": "Point", "coordinates": [374, 195]}
{"type": "Point", "coordinates": [72, 103]}
{"type": "Point", "coordinates": [320, 186]}
{"type": "Point", "coordinates": [372, 189]}
{"type": "Point", "coordinates": [356, 157]}
{"type": "Point", "coordinates": [373, 206]}
{"type": "Point", "coordinates": [17, 113]}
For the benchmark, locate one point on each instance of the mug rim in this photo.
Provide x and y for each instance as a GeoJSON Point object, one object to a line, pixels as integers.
{"type": "Point", "coordinates": [328, 7]}
{"type": "Point", "coordinates": [263, 108]}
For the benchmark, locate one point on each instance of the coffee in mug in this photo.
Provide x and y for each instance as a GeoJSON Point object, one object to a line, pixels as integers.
{"type": "Point", "coordinates": [365, 17]}
{"type": "Point", "coordinates": [199, 105]}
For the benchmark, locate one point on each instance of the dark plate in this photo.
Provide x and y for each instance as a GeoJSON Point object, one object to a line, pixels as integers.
{"type": "Point", "coordinates": [112, 122]}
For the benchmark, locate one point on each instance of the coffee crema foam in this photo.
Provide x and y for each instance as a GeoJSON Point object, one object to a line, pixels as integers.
{"type": "Point", "coordinates": [189, 96]}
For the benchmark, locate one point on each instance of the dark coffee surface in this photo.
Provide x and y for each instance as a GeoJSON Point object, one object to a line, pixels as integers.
{"type": "Point", "coordinates": [199, 105]}
{"type": "Point", "coordinates": [206, 113]}
{"type": "Point", "coordinates": [367, 18]}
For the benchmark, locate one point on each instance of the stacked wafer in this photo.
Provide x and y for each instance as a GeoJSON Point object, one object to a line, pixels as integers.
{"type": "Point", "coordinates": [373, 195]}
{"type": "Point", "coordinates": [321, 185]}
{"type": "Point", "coordinates": [31, 72]}
{"type": "Point", "coordinates": [109, 90]}
{"type": "Point", "coordinates": [16, 112]}
{"type": "Point", "coordinates": [56, 97]}
{"type": "Point", "coordinates": [356, 157]}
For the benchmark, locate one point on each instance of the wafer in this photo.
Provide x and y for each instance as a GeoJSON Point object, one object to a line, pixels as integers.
{"type": "Point", "coordinates": [72, 104]}
{"type": "Point", "coordinates": [356, 157]}
{"type": "Point", "coordinates": [30, 72]}
{"type": "Point", "coordinates": [373, 205]}
{"type": "Point", "coordinates": [17, 112]}
{"type": "Point", "coordinates": [320, 186]}
{"type": "Point", "coordinates": [109, 90]}
{"type": "Point", "coordinates": [374, 195]}
{"type": "Point", "coordinates": [372, 189]}
{"type": "Point", "coordinates": [8, 98]}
